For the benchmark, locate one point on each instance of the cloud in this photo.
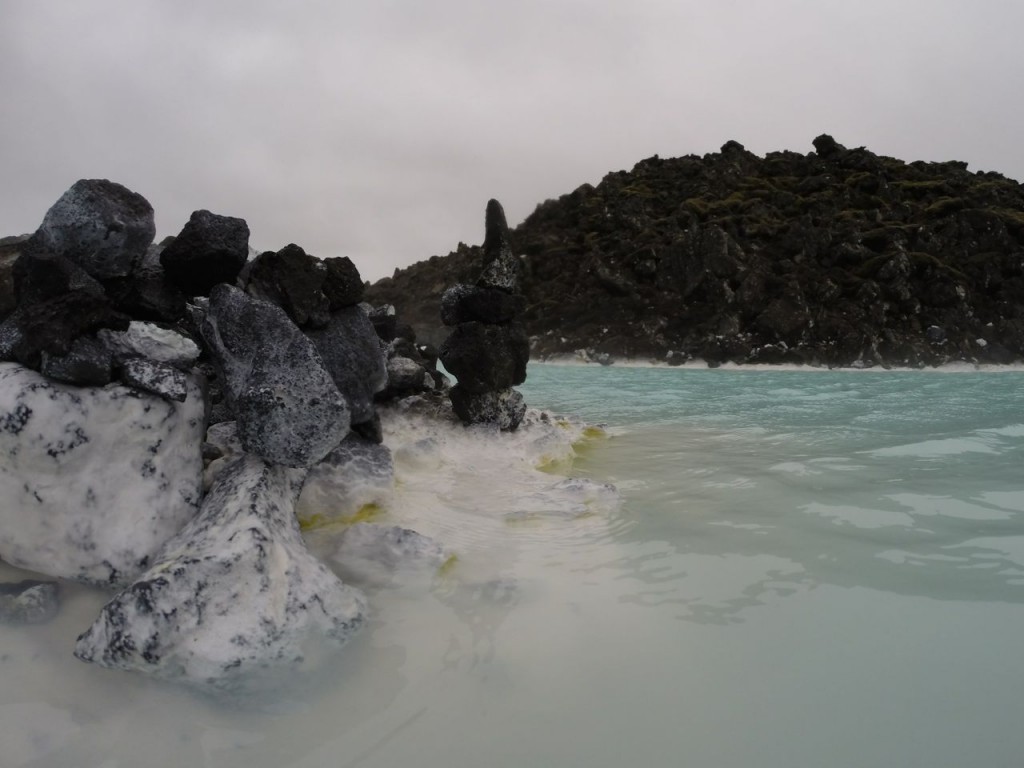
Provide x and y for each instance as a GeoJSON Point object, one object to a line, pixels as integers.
{"type": "Point", "coordinates": [378, 130]}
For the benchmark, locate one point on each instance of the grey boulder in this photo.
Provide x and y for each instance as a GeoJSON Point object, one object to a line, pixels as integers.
{"type": "Point", "coordinates": [100, 225]}
{"type": "Point", "coordinates": [288, 408]}
{"type": "Point", "coordinates": [353, 356]}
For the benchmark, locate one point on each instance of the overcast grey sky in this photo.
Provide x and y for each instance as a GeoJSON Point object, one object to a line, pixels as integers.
{"type": "Point", "coordinates": [379, 129]}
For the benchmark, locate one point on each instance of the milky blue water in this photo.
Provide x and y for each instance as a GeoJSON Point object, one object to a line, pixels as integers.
{"type": "Point", "coordinates": [807, 569]}
{"type": "Point", "coordinates": [826, 568]}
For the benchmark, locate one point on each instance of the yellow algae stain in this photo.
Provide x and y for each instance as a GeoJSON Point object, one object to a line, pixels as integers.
{"type": "Point", "coordinates": [365, 514]}
{"type": "Point", "coordinates": [553, 465]}
{"type": "Point", "coordinates": [447, 566]}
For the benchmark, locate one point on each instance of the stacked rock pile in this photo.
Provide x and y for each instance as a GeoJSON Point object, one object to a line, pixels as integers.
{"type": "Point", "coordinates": [488, 350]}
{"type": "Point", "coordinates": [129, 366]}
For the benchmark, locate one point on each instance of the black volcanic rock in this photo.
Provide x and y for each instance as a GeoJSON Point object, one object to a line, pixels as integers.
{"type": "Point", "coordinates": [486, 357]}
{"type": "Point", "coordinates": [294, 281]}
{"type": "Point", "coordinates": [504, 408]}
{"type": "Point", "coordinates": [145, 294]}
{"type": "Point", "coordinates": [88, 363]}
{"type": "Point", "coordinates": [464, 303]}
{"type": "Point", "coordinates": [210, 249]}
{"type": "Point", "coordinates": [501, 267]}
{"type": "Point", "coordinates": [342, 284]}
{"type": "Point", "coordinates": [58, 301]}
{"type": "Point", "coordinates": [835, 257]}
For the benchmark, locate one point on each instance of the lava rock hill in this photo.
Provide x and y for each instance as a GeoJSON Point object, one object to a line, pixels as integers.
{"type": "Point", "coordinates": [839, 257]}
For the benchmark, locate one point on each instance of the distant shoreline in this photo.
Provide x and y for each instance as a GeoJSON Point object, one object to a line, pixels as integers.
{"type": "Point", "coordinates": [696, 364]}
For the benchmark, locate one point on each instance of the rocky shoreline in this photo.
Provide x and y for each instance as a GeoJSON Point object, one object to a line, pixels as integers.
{"type": "Point", "coordinates": [835, 258]}
{"type": "Point", "coordinates": [175, 417]}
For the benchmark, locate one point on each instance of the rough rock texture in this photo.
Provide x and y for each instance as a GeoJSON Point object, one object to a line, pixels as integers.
{"type": "Point", "coordinates": [28, 602]}
{"type": "Point", "coordinates": [406, 376]}
{"type": "Point", "coordinates": [160, 379]}
{"type": "Point", "coordinates": [210, 249]}
{"type": "Point", "coordinates": [504, 407]}
{"type": "Point", "coordinates": [294, 281]}
{"type": "Point", "coordinates": [101, 226]}
{"type": "Point", "coordinates": [464, 303]}
{"type": "Point", "coordinates": [356, 473]}
{"type": "Point", "coordinates": [58, 301]}
{"type": "Point", "coordinates": [384, 320]}
{"type": "Point", "coordinates": [353, 356]}
{"type": "Point", "coordinates": [501, 267]}
{"type": "Point", "coordinates": [342, 284]}
{"type": "Point", "coordinates": [486, 357]}
{"type": "Point", "coordinates": [233, 594]}
{"type": "Point", "coordinates": [288, 408]}
{"type": "Point", "coordinates": [835, 257]}
{"type": "Point", "coordinates": [10, 250]}
{"type": "Point", "coordinates": [88, 363]}
{"type": "Point", "coordinates": [145, 294]}
{"type": "Point", "coordinates": [487, 351]}
{"type": "Point", "coordinates": [93, 480]}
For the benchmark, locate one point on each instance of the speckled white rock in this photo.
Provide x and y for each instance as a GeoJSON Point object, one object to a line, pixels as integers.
{"type": "Point", "coordinates": [354, 474]}
{"type": "Point", "coordinates": [235, 593]}
{"type": "Point", "coordinates": [160, 379]}
{"type": "Point", "coordinates": [151, 342]}
{"type": "Point", "coordinates": [93, 480]}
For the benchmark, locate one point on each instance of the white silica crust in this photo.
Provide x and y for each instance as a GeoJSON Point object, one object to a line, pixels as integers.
{"type": "Point", "coordinates": [234, 594]}
{"type": "Point", "coordinates": [355, 474]}
{"type": "Point", "coordinates": [93, 480]}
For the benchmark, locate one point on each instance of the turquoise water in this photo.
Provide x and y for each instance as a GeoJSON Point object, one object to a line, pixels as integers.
{"type": "Point", "coordinates": [806, 569]}
{"type": "Point", "coordinates": [831, 563]}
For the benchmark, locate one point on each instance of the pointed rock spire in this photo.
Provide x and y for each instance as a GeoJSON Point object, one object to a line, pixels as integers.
{"type": "Point", "coordinates": [501, 267]}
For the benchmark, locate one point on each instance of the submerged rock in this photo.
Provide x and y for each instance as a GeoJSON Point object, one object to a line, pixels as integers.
{"type": "Point", "coordinates": [379, 555]}
{"type": "Point", "coordinates": [93, 480]}
{"type": "Point", "coordinates": [234, 594]}
{"type": "Point", "coordinates": [28, 601]}
{"type": "Point", "coordinates": [288, 408]}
